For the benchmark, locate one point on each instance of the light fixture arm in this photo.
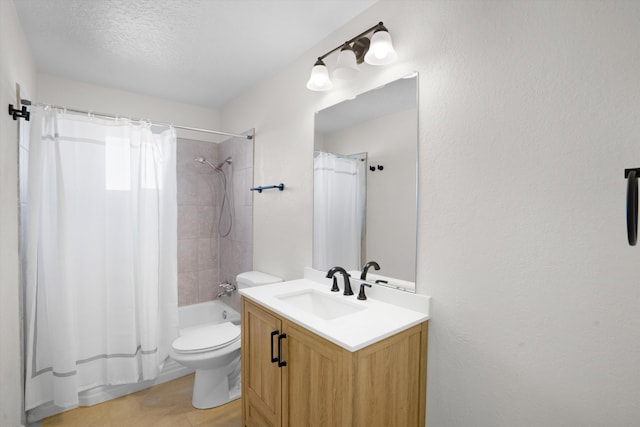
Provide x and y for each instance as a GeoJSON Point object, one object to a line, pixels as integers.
{"type": "Point", "coordinates": [378, 26]}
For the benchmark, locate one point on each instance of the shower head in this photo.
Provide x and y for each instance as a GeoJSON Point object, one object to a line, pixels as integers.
{"type": "Point", "coordinates": [217, 167]}
{"type": "Point", "coordinates": [228, 160]}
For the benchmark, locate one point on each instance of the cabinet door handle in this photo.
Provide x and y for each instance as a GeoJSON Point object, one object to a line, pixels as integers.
{"type": "Point", "coordinates": [281, 362]}
{"type": "Point", "coordinates": [275, 359]}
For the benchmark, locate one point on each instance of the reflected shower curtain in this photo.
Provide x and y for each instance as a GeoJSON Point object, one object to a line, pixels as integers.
{"type": "Point", "coordinates": [101, 273]}
{"type": "Point", "coordinates": [339, 192]}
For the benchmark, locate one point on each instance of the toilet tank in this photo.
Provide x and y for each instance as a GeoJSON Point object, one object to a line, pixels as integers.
{"type": "Point", "coordinates": [255, 278]}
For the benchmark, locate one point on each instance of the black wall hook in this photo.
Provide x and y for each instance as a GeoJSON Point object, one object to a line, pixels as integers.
{"type": "Point", "coordinates": [632, 176]}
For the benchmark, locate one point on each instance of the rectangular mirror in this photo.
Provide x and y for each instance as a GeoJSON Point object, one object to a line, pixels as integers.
{"type": "Point", "coordinates": [365, 182]}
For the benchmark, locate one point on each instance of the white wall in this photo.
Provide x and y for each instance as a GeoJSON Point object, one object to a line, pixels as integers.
{"type": "Point", "coordinates": [529, 112]}
{"type": "Point", "coordinates": [390, 141]}
{"type": "Point", "coordinates": [83, 96]}
{"type": "Point", "coordinates": [528, 116]}
{"type": "Point", "coordinates": [16, 66]}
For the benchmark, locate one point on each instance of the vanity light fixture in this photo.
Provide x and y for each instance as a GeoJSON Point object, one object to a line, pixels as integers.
{"type": "Point", "coordinates": [375, 51]}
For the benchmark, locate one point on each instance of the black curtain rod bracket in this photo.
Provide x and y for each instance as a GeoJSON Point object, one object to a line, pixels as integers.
{"type": "Point", "coordinates": [16, 114]}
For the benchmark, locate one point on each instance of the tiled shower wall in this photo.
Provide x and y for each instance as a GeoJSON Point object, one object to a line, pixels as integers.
{"type": "Point", "coordinates": [236, 249]}
{"type": "Point", "coordinates": [198, 274]}
{"type": "Point", "coordinates": [204, 260]}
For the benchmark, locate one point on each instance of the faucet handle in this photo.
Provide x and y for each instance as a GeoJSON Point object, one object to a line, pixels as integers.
{"type": "Point", "coordinates": [361, 295]}
{"type": "Point", "coordinates": [226, 289]}
{"type": "Point", "coordinates": [335, 287]}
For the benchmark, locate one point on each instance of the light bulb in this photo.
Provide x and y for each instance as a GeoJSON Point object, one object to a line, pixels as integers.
{"type": "Point", "coordinates": [319, 79]}
{"type": "Point", "coordinates": [347, 66]}
{"type": "Point", "coordinates": [381, 51]}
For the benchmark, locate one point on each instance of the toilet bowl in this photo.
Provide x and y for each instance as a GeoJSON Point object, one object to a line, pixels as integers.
{"type": "Point", "coordinates": [214, 352]}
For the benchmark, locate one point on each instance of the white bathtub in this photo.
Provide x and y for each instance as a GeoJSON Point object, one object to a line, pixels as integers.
{"type": "Point", "coordinates": [189, 316]}
{"type": "Point", "coordinates": [206, 313]}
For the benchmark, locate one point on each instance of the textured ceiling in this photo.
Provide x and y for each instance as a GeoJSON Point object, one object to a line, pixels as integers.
{"type": "Point", "coordinates": [202, 52]}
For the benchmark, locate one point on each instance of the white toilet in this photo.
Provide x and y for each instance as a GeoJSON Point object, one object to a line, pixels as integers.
{"type": "Point", "coordinates": [214, 352]}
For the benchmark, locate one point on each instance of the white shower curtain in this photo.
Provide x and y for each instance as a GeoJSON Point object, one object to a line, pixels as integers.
{"type": "Point", "coordinates": [339, 193]}
{"type": "Point", "coordinates": [101, 263]}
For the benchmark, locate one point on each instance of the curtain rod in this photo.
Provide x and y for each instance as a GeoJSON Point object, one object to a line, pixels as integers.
{"type": "Point", "coordinates": [112, 116]}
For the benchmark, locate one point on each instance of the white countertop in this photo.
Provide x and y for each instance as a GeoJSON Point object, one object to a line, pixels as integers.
{"type": "Point", "coordinates": [384, 313]}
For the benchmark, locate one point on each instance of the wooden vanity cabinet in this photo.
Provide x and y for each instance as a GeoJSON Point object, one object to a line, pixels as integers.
{"type": "Point", "coordinates": [261, 378]}
{"type": "Point", "coordinates": [322, 384]}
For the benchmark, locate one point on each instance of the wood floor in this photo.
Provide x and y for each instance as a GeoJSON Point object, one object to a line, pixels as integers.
{"type": "Point", "coordinates": [167, 404]}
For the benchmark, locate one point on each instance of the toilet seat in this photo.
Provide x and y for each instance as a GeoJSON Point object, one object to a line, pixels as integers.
{"type": "Point", "coordinates": [207, 338]}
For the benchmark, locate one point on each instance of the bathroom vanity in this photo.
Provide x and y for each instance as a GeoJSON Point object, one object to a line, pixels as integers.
{"type": "Point", "coordinates": [318, 358]}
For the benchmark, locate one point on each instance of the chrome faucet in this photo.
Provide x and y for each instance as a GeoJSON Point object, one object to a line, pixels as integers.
{"type": "Point", "coordinates": [226, 289]}
{"type": "Point", "coordinates": [345, 275]}
{"type": "Point", "coordinates": [366, 267]}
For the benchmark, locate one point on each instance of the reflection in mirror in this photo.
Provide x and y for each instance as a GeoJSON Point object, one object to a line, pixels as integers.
{"type": "Point", "coordinates": [365, 177]}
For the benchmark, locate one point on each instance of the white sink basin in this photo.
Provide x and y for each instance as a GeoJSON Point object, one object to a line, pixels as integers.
{"type": "Point", "coordinates": [318, 304]}
{"type": "Point", "coordinates": [309, 303]}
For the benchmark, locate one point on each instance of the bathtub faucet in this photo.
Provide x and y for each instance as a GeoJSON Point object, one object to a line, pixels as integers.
{"type": "Point", "coordinates": [226, 289]}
